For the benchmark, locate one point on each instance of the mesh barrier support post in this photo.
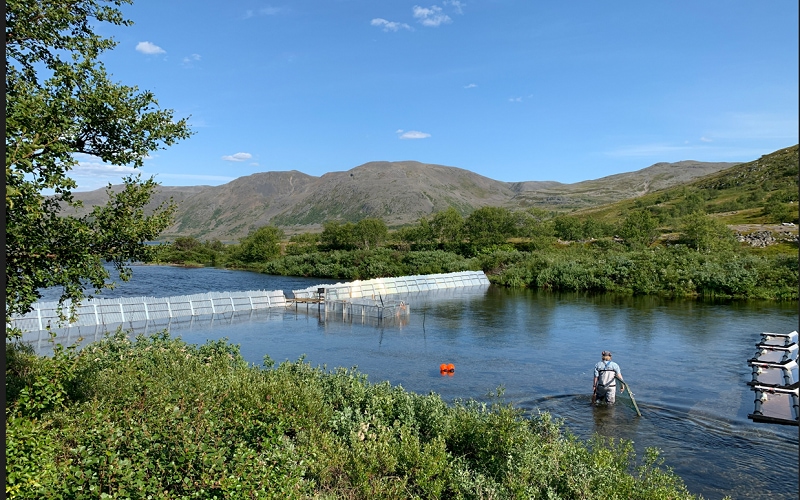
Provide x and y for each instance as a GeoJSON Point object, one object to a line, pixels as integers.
{"type": "Point", "coordinates": [121, 312]}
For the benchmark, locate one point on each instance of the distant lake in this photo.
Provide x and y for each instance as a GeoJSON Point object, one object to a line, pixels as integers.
{"type": "Point", "coordinates": [686, 361]}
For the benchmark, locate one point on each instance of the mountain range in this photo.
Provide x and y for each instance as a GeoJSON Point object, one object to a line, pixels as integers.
{"type": "Point", "coordinates": [398, 192]}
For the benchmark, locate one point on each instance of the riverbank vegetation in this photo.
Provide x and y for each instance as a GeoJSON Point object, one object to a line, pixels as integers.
{"type": "Point", "coordinates": [698, 257]}
{"type": "Point", "coordinates": [159, 418]}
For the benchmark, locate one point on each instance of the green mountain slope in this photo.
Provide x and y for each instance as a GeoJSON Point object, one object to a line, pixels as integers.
{"type": "Point", "coordinates": [762, 191]}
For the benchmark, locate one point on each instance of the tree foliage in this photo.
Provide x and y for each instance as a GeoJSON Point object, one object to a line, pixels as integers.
{"type": "Point", "coordinates": [260, 245]}
{"type": "Point", "coordinates": [370, 232]}
{"type": "Point", "coordinates": [60, 102]}
{"type": "Point", "coordinates": [488, 226]}
{"type": "Point", "coordinates": [337, 236]}
{"type": "Point", "coordinates": [186, 250]}
{"type": "Point", "coordinates": [302, 243]}
{"type": "Point", "coordinates": [448, 227]}
{"type": "Point", "coordinates": [639, 228]}
{"type": "Point", "coordinates": [415, 237]}
{"type": "Point", "coordinates": [778, 212]}
{"type": "Point", "coordinates": [568, 228]}
{"type": "Point", "coordinates": [706, 234]}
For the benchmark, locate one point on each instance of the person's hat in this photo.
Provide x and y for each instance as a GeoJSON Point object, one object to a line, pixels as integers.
{"type": "Point", "coordinates": [606, 353]}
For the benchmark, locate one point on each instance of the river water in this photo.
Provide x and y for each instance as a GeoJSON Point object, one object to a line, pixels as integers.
{"type": "Point", "coordinates": [685, 360]}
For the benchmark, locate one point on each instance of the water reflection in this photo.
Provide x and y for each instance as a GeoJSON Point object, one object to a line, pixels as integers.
{"type": "Point", "coordinates": [614, 421]}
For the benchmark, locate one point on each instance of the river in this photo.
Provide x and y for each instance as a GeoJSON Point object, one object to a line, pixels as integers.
{"type": "Point", "coordinates": [686, 361]}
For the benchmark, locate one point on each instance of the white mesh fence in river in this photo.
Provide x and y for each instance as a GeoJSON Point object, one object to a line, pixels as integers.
{"type": "Point", "coordinates": [381, 287]}
{"type": "Point", "coordinates": [144, 309]}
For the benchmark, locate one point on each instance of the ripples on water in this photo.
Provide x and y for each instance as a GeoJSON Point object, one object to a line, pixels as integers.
{"type": "Point", "coordinates": [714, 456]}
{"type": "Point", "coordinates": [686, 360]}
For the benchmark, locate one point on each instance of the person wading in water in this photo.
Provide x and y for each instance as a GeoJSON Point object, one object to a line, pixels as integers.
{"type": "Point", "coordinates": [605, 384]}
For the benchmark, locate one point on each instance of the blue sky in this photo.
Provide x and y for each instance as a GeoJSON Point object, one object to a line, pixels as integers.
{"type": "Point", "coordinates": [512, 90]}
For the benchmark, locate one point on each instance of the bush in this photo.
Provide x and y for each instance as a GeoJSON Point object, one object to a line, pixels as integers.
{"type": "Point", "coordinates": [778, 212]}
{"type": "Point", "coordinates": [260, 245]}
{"type": "Point", "coordinates": [706, 234]}
{"type": "Point", "coordinates": [668, 271]}
{"type": "Point", "coordinates": [639, 229]}
{"type": "Point", "coordinates": [188, 251]}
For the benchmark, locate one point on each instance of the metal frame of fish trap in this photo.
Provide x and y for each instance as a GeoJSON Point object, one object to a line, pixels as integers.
{"type": "Point", "coordinates": [775, 379]}
{"type": "Point", "coordinates": [367, 310]}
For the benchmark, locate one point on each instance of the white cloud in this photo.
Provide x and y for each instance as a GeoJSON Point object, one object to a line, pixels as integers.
{"type": "Point", "coordinates": [91, 173]}
{"type": "Point", "coordinates": [470, 86]}
{"type": "Point", "coordinates": [237, 157]}
{"type": "Point", "coordinates": [264, 11]}
{"type": "Point", "coordinates": [706, 139]}
{"type": "Point", "coordinates": [389, 25]}
{"type": "Point", "coordinates": [149, 48]}
{"type": "Point", "coordinates": [83, 157]}
{"type": "Point", "coordinates": [431, 17]}
{"type": "Point", "coordinates": [188, 60]}
{"type": "Point", "coordinates": [254, 164]}
{"type": "Point", "coordinates": [413, 134]}
{"type": "Point", "coordinates": [515, 99]}
{"type": "Point", "coordinates": [458, 6]}
{"type": "Point", "coordinates": [88, 169]}
{"type": "Point", "coordinates": [94, 174]}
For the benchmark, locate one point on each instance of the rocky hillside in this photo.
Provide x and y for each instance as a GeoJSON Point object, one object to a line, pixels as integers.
{"type": "Point", "coordinates": [397, 192]}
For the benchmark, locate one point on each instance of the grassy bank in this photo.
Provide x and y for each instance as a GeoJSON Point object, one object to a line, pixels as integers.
{"type": "Point", "coordinates": [158, 418]}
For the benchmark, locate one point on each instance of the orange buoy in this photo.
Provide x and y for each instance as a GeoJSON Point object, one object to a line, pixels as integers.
{"type": "Point", "coordinates": [451, 368]}
{"type": "Point", "coordinates": [443, 367]}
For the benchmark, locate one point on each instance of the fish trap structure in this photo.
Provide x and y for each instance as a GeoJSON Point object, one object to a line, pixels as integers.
{"type": "Point", "coordinates": [381, 287]}
{"type": "Point", "coordinates": [135, 310]}
{"type": "Point", "coordinates": [775, 379]}
{"type": "Point", "coordinates": [368, 311]}
{"type": "Point", "coordinates": [43, 341]}
{"type": "Point", "coordinates": [377, 301]}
